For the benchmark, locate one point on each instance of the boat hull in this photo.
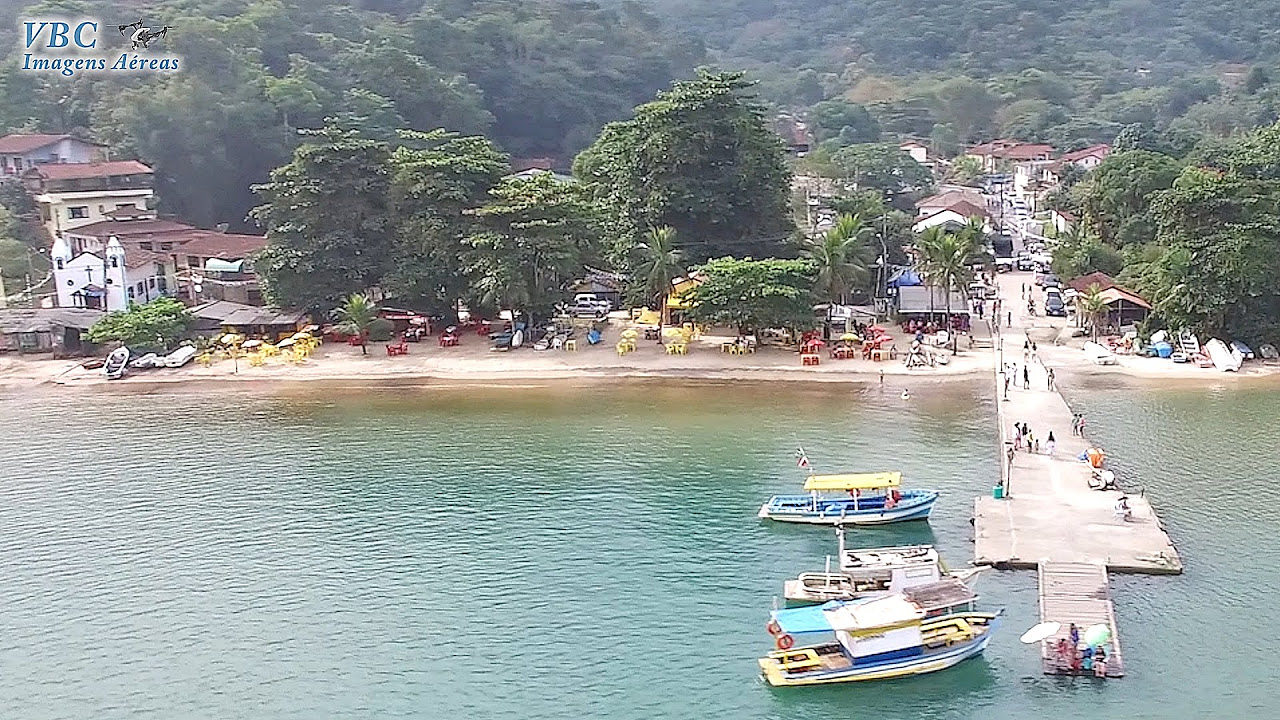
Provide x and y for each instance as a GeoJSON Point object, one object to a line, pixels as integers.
{"type": "Point", "coordinates": [917, 506]}
{"type": "Point", "coordinates": [774, 675]}
{"type": "Point", "coordinates": [796, 594]}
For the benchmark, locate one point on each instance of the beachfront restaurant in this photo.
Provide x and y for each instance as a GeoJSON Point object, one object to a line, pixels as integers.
{"type": "Point", "coordinates": [223, 316]}
{"type": "Point", "coordinates": [59, 331]}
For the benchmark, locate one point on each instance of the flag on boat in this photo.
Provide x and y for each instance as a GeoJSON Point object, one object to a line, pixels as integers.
{"type": "Point", "coordinates": [802, 460]}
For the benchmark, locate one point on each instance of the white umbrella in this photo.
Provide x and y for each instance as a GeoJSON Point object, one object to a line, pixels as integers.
{"type": "Point", "coordinates": [1041, 632]}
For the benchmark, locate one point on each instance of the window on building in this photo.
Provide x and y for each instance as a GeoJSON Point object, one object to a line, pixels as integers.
{"type": "Point", "coordinates": [131, 295]}
{"type": "Point", "coordinates": [102, 209]}
{"type": "Point", "coordinates": [193, 261]}
{"type": "Point", "coordinates": [162, 284]}
{"type": "Point", "coordinates": [145, 245]}
{"type": "Point", "coordinates": [122, 206]}
{"type": "Point", "coordinates": [141, 288]}
{"type": "Point", "coordinates": [115, 262]}
{"type": "Point", "coordinates": [166, 246]}
{"type": "Point", "coordinates": [78, 212]}
{"type": "Point", "coordinates": [151, 283]}
{"type": "Point", "coordinates": [58, 263]}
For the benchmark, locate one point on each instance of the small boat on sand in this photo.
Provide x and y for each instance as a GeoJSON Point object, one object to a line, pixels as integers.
{"type": "Point", "coordinates": [878, 639]}
{"type": "Point", "coordinates": [863, 499]}
{"type": "Point", "coordinates": [1224, 357]}
{"type": "Point", "coordinates": [116, 363]}
{"type": "Point", "coordinates": [872, 572]}
{"type": "Point", "coordinates": [181, 356]}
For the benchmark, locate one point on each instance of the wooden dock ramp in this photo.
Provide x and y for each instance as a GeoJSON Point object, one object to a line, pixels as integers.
{"type": "Point", "coordinates": [1077, 593]}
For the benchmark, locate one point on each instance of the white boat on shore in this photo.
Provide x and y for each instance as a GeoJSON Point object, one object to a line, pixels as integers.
{"type": "Point", "coordinates": [1224, 358]}
{"type": "Point", "coordinates": [1099, 354]}
{"type": "Point", "coordinates": [181, 356]}
{"type": "Point", "coordinates": [116, 363]}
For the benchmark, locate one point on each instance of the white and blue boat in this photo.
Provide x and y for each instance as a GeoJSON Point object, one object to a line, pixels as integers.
{"type": "Point", "coordinates": [862, 499]}
{"type": "Point", "coordinates": [876, 639]}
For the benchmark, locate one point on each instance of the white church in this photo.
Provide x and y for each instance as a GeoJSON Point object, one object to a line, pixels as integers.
{"type": "Point", "coordinates": [90, 279]}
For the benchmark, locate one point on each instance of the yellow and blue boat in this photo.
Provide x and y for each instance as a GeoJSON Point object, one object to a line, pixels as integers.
{"type": "Point", "coordinates": [877, 639]}
{"type": "Point", "coordinates": [862, 499]}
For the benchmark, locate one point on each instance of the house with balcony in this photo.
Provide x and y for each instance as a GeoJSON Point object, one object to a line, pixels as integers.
{"type": "Point", "coordinates": [73, 195]}
{"type": "Point", "coordinates": [20, 152]}
{"type": "Point", "coordinates": [998, 155]}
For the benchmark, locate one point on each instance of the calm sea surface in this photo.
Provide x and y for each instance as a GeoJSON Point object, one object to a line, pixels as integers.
{"type": "Point", "coordinates": [538, 554]}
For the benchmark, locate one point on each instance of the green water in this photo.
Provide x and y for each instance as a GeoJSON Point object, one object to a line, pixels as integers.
{"type": "Point", "coordinates": [432, 553]}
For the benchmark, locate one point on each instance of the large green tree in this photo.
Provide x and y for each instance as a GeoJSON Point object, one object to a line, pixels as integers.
{"type": "Point", "coordinates": [882, 166]}
{"type": "Point", "coordinates": [533, 238]}
{"type": "Point", "coordinates": [436, 179]}
{"type": "Point", "coordinates": [153, 326]}
{"type": "Point", "coordinates": [754, 294]}
{"type": "Point", "coordinates": [699, 159]}
{"type": "Point", "coordinates": [841, 258]}
{"type": "Point", "coordinates": [329, 229]}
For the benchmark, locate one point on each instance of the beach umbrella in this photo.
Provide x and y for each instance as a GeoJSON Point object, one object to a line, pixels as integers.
{"type": "Point", "coordinates": [875, 329]}
{"type": "Point", "coordinates": [849, 337]}
{"type": "Point", "coordinates": [287, 342]}
{"type": "Point", "coordinates": [1041, 632]}
{"type": "Point", "coordinates": [1097, 634]}
{"type": "Point", "coordinates": [251, 344]}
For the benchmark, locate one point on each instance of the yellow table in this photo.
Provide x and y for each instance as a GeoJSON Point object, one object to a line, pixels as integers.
{"type": "Point", "coordinates": [677, 349]}
{"type": "Point", "coordinates": [571, 345]}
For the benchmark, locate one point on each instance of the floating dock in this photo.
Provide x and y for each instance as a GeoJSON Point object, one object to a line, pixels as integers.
{"type": "Point", "coordinates": [1077, 593]}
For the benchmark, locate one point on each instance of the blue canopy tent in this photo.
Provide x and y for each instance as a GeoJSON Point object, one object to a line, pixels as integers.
{"type": "Point", "coordinates": [905, 277]}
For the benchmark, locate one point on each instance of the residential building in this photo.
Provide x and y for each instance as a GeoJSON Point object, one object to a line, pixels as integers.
{"type": "Point", "coordinates": [72, 195]}
{"type": "Point", "coordinates": [917, 150]}
{"type": "Point", "coordinates": [21, 152]}
{"type": "Point", "coordinates": [1062, 220]}
{"type": "Point", "coordinates": [1088, 158]}
{"type": "Point", "coordinates": [530, 173]}
{"type": "Point", "coordinates": [998, 154]}
{"type": "Point", "coordinates": [954, 216]}
{"type": "Point", "coordinates": [795, 134]}
{"type": "Point", "coordinates": [950, 195]}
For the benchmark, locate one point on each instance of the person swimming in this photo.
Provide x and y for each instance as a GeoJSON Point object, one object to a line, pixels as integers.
{"type": "Point", "coordinates": [906, 395]}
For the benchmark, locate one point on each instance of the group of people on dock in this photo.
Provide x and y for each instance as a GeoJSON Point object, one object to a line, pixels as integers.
{"type": "Point", "coordinates": [1077, 658]}
{"type": "Point", "coordinates": [1022, 436]}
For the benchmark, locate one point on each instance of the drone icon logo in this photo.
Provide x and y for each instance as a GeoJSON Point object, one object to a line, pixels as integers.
{"type": "Point", "coordinates": [141, 36]}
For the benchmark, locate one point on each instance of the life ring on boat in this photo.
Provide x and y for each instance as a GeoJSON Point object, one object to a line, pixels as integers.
{"type": "Point", "coordinates": [773, 628]}
{"type": "Point", "coordinates": [785, 642]}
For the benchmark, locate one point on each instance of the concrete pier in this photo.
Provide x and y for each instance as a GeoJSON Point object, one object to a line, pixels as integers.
{"type": "Point", "coordinates": [1049, 512]}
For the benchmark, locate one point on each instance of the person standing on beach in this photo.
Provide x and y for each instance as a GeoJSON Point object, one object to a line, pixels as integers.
{"type": "Point", "coordinates": [1049, 378]}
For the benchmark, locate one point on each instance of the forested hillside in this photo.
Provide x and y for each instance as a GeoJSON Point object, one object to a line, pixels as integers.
{"type": "Point", "coordinates": [540, 78]}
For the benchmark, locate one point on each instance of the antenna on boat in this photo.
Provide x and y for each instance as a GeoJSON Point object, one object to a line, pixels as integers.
{"type": "Point", "coordinates": [802, 459]}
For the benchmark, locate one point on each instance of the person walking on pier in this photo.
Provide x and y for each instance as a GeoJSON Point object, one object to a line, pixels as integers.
{"type": "Point", "coordinates": [1008, 319]}
{"type": "Point", "coordinates": [1006, 386]}
{"type": "Point", "coordinates": [1051, 444]}
{"type": "Point", "coordinates": [1080, 425]}
{"type": "Point", "coordinates": [1075, 424]}
{"type": "Point", "coordinates": [1026, 378]}
{"type": "Point", "coordinates": [1048, 376]}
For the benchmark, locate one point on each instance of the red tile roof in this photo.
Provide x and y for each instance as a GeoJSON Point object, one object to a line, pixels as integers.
{"type": "Point", "coordinates": [18, 143]}
{"type": "Point", "coordinates": [1024, 152]}
{"type": "Point", "coordinates": [130, 228]}
{"type": "Point", "coordinates": [1098, 151]}
{"type": "Point", "coordinates": [136, 257]}
{"type": "Point", "coordinates": [1102, 280]}
{"type": "Point", "coordinates": [224, 246]}
{"type": "Point", "coordinates": [76, 171]}
{"type": "Point", "coordinates": [966, 209]}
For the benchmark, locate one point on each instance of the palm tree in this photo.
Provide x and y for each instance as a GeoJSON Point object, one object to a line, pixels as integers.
{"type": "Point", "coordinates": [944, 260]}
{"type": "Point", "coordinates": [660, 263]}
{"type": "Point", "coordinates": [840, 257]}
{"type": "Point", "coordinates": [1091, 307]}
{"type": "Point", "coordinates": [355, 316]}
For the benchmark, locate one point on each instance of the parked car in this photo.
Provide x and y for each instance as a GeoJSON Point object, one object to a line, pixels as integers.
{"type": "Point", "coordinates": [588, 305]}
{"type": "Point", "coordinates": [1047, 280]}
{"type": "Point", "coordinates": [1054, 306]}
{"type": "Point", "coordinates": [1024, 261]}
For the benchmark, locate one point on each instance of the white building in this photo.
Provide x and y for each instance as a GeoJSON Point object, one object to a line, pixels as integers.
{"type": "Point", "coordinates": [954, 216]}
{"type": "Point", "coordinates": [71, 195]}
{"type": "Point", "coordinates": [90, 280]}
{"type": "Point", "coordinates": [19, 152]}
{"type": "Point", "coordinates": [918, 151]}
{"type": "Point", "coordinates": [161, 258]}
